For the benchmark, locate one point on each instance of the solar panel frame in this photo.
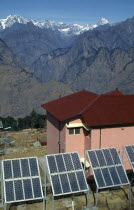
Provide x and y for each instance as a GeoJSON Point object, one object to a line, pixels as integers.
{"type": "Point", "coordinates": [128, 155]}
{"type": "Point", "coordinates": [103, 183]}
{"type": "Point", "coordinates": [22, 179]}
{"type": "Point", "coordinates": [58, 172]}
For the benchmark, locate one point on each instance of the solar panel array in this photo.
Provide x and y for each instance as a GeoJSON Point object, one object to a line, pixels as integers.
{"type": "Point", "coordinates": [130, 153]}
{"type": "Point", "coordinates": [107, 168]}
{"type": "Point", "coordinates": [21, 180]}
{"type": "Point", "coordinates": [66, 173]}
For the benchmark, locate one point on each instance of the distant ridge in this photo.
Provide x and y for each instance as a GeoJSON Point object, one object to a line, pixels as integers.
{"type": "Point", "coordinates": [63, 28]}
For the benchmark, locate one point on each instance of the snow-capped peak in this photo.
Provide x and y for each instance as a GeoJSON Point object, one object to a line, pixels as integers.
{"type": "Point", "coordinates": [63, 28]}
{"type": "Point", "coordinates": [102, 21]}
{"type": "Point", "coordinates": [10, 20]}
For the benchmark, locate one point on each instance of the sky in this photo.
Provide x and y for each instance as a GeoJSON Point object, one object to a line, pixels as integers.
{"type": "Point", "coordinates": [69, 11]}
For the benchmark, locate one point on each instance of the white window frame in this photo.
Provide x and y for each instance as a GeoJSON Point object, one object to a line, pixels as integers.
{"type": "Point", "coordinates": [74, 131]}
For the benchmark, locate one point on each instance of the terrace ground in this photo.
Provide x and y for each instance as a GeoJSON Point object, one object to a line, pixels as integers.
{"type": "Point", "coordinates": [23, 147]}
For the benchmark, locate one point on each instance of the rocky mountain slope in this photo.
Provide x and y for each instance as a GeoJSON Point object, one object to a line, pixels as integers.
{"type": "Point", "coordinates": [20, 91]}
{"type": "Point", "coordinates": [94, 61]}
{"type": "Point", "coordinates": [29, 39]}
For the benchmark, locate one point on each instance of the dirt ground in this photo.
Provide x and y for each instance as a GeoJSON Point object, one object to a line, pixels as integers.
{"type": "Point", "coordinates": [23, 147]}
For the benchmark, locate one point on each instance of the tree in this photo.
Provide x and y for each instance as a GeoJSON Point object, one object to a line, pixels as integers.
{"type": "Point", "coordinates": [34, 119]}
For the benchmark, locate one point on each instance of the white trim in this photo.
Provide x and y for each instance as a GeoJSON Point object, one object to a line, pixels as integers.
{"type": "Point", "coordinates": [76, 125]}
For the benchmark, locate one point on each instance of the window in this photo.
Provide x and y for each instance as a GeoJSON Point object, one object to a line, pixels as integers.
{"type": "Point", "coordinates": [73, 131]}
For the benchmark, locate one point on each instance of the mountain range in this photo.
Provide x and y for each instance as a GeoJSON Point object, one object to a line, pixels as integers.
{"type": "Point", "coordinates": [63, 28]}
{"type": "Point", "coordinates": [41, 61]}
{"type": "Point", "coordinates": [29, 39]}
{"type": "Point", "coordinates": [94, 61]}
{"type": "Point", "coordinates": [20, 91]}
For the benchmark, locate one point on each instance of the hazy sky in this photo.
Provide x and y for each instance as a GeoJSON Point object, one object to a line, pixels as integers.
{"type": "Point", "coordinates": [69, 11]}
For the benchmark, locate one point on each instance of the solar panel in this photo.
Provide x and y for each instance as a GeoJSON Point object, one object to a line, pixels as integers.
{"type": "Point", "coordinates": [18, 190]}
{"type": "Point", "coordinates": [66, 173]}
{"type": "Point", "coordinates": [130, 153]}
{"type": "Point", "coordinates": [9, 191]}
{"type": "Point", "coordinates": [21, 179]}
{"type": "Point", "coordinates": [107, 168]}
{"type": "Point", "coordinates": [16, 168]}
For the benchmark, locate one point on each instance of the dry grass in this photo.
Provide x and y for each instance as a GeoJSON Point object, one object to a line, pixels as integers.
{"type": "Point", "coordinates": [23, 143]}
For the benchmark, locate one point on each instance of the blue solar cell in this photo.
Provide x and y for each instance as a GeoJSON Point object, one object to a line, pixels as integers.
{"type": "Point", "coordinates": [122, 175]}
{"type": "Point", "coordinates": [99, 178]}
{"type": "Point", "coordinates": [60, 163]}
{"type": "Point", "coordinates": [16, 168]}
{"type": "Point", "coordinates": [65, 183]}
{"type": "Point", "coordinates": [68, 162]}
{"type": "Point", "coordinates": [81, 180]}
{"type": "Point", "coordinates": [108, 157]}
{"type": "Point", "coordinates": [9, 191]}
{"type": "Point", "coordinates": [107, 177]}
{"type": "Point", "coordinates": [33, 166]}
{"type": "Point", "coordinates": [114, 176]}
{"type": "Point", "coordinates": [56, 184]}
{"type": "Point", "coordinates": [18, 190]}
{"type": "Point", "coordinates": [52, 164]}
{"type": "Point", "coordinates": [25, 168]}
{"type": "Point", "coordinates": [27, 188]}
{"type": "Point", "coordinates": [36, 188]}
{"type": "Point", "coordinates": [93, 159]}
{"type": "Point", "coordinates": [76, 161]}
{"type": "Point", "coordinates": [73, 182]}
{"type": "Point", "coordinates": [115, 156]}
{"type": "Point", "coordinates": [7, 169]}
{"type": "Point", "coordinates": [101, 159]}
{"type": "Point", "coordinates": [130, 153]}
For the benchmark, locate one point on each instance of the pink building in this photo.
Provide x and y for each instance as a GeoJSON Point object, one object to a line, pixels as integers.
{"type": "Point", "coordinates": [84, 120]}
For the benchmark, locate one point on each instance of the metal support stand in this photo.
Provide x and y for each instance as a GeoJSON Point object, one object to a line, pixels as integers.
{"type": "Point", "coordinates": [96, 197]}
{"type": "Point", "coordinates": [129, 195]}
{"type": "Point", "coordinates": [53, 206]}
{"type": "Point", "coordinates": [72, 202]}
{"type": "Point", "coordinates": [5, 206]}
{"type": "Point", "coordinates": [88, 198]}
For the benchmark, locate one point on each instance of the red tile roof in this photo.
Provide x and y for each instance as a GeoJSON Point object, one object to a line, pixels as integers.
{"type": "Point", "coordinates": [69, 106]}
{"type": "Point", "coordinates": [112, 108]}
{"type": "Point", "coordinates": [115, 92]}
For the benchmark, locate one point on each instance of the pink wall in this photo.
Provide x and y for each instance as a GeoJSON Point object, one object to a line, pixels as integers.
{"type": "Point", "coordinates": [76, 142]}
{"type": "Point", "coordinates": [104, 138]}
{"type": "Point", "coordinates": [113, 137]}
{"type": "Point", "coordinates": [53, 135]}
{"type": "Point", "coordinates": [62, 137]}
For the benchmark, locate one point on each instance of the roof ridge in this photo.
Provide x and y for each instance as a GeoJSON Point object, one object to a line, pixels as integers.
{"type": "Point", "coordinates": [70, 95]}
{"type": "Point", "coordinates": [90, 104]}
